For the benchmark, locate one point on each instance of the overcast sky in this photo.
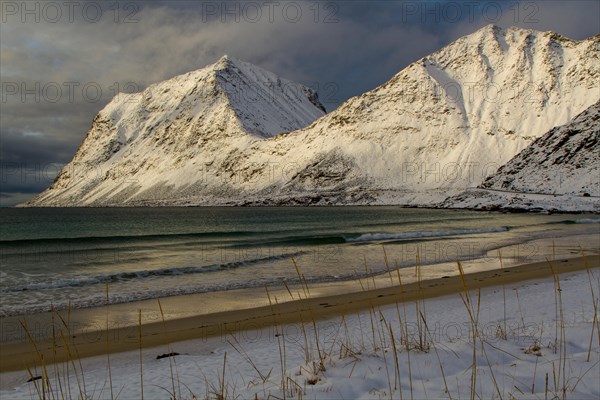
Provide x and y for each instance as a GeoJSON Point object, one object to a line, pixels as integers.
{"type": "Point", "coordinates": [62, 61]}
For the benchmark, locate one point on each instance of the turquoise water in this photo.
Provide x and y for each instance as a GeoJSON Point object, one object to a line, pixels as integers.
{"type": "Point", "coordinates": [57, 257]}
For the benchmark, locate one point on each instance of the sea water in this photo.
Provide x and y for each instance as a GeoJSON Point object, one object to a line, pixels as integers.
{"type": "Point", "coordinates": [82, 257]}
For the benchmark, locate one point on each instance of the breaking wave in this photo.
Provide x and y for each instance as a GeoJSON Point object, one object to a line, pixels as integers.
{"type": "Point", "coordinates": [587, 221]}
{"type": "Point", "coordinates": [369, 237]}
{"type": "Point", "coordinates": [136, 275]}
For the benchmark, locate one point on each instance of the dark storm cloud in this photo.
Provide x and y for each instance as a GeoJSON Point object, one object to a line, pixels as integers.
{"type": "Point", "coordinates": [58, 71]}
{"type": "Point", "coordinates": [28, 169]}
{"type": "Point", "coordinates": [17, 148]}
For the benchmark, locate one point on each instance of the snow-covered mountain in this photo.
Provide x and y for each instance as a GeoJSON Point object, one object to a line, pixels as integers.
{"type": "Point", "coordinates": [158, 145]}
{"type": "Point", "coordinates": [560, 170]}
{"type": "Point", "coordinates": [441, 125]}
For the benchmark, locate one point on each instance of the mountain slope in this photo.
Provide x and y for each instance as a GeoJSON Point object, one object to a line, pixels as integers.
{"type": "Point", "coordinates": [560, 170]}
{"type": "Point", "coordinates": [566, 160]}
{"type": "Point", "coordinates": [441, 125]}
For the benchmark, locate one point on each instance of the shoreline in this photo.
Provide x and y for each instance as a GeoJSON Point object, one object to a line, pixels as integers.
{"type": "Point", "coordinates": [514, 251]}
{"type": "Point", "coordinates": [90, 337]}
{"type": "Point", "coordinates": [433, 207]}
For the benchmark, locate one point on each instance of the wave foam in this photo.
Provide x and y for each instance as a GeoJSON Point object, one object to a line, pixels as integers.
{"type": "Point", "coordinates": [369, 237]}
{"type": "Point", "coordinates": [587, 221]}
{"type": "Point", "coordinates": [132, 275]}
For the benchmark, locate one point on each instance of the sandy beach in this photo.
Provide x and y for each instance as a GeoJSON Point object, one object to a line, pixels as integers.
{"type": "Point", "coordinates": [88, 335]}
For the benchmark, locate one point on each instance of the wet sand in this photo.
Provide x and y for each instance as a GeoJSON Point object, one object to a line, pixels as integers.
{"type": "Point", "coordinates": [97, 331]}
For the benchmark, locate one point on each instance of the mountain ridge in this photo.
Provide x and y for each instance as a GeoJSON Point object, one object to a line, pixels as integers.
{"type": "Point", "coordinates": [442, 124]}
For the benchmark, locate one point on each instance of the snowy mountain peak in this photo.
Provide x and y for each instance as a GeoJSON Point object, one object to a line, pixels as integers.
{"type": "Point", "coordinates": [488, 32]}
{"type": "Point", "coordinates": [266, 104]}
{"type": "Point", "coordinates": [226, 62]}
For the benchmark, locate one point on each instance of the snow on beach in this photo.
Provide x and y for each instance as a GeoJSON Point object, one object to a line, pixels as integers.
{"type": "Point", "coordinates": [535, 339]}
